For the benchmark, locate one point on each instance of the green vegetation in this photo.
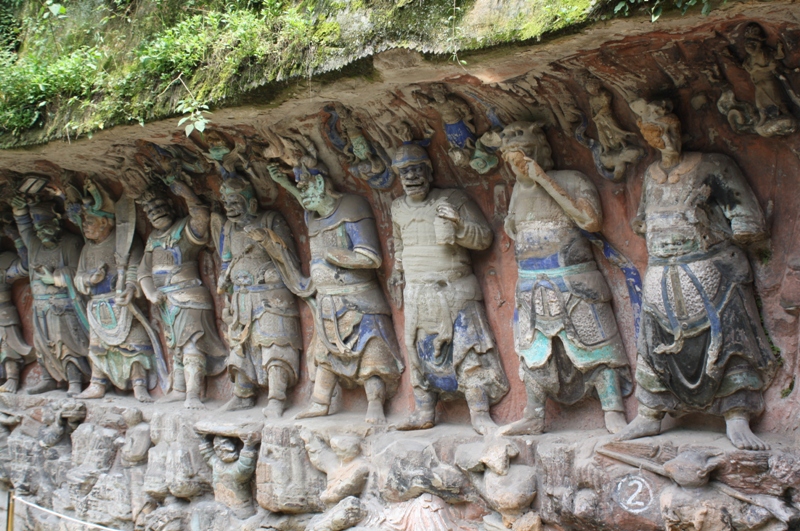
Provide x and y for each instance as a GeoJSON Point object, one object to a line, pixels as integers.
{"type": "Point", "coordinates": [70, 68]}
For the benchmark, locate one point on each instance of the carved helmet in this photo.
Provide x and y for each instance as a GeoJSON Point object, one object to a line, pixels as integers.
{"type": "Point", "coordinates": [240, 186]}
{"type": "Point", "coordinates": [410, 155]}
{"type": "Point", "coordinates": [98, 203]}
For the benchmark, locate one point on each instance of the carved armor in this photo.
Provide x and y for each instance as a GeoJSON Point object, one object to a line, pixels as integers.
{"type": "Point", "coordinates": [450, 344]}
{"type": "Point", "coordinates": [59, 330]}
{"type": "Point", "coordinates": [263, 322]}
{"type": "Point", "coordinates": [701, 347]}
{"type": "Point", "coordinates": [116, 339]}
{"type": "Point", "coordinates": [12, 345]}
{"type": "Point", "coordinates": [170, 258]}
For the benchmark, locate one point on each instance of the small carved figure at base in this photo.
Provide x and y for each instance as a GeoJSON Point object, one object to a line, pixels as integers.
{"type": "Point", "coordinates": [233, 471]}
{"type": "Point", "coordinates": [448, 339]}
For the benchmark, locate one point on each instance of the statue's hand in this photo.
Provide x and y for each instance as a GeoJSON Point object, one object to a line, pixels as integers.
{"type": "Point", "coordinates": [256, 233]}
{"type": "Point", "coordinates": [45, 274]}
{"type": "Point", "coordinates": [98, 276]}
{"type": "Point", "coordinates": [252, 439]}
{"type": "Point", "coordinates": [448, 212]}
{"type": "Point", "coordinates": [127, 295]}
{"type": "Point", "coordinates": [19, 204]}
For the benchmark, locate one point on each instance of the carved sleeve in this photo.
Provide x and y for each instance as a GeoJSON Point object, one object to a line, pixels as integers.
{"type": "Point", "coordinates": [25, 228]}
{"type": "Point", "coordinates": [738, 202]}
{"type": "Point", "coordinates": [281, 228]}
{"type": "Point", "coordinates": [246, 464]}
{"type": "Point", "coordinates": [364, 236]}
{"type": "Point", "coordinates": [475, 232]}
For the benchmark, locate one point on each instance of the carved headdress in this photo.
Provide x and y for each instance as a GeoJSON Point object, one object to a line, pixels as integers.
{"type": "Point", "coordinates": [410, 155]}
{"type": "Point", "coordinates": [98, 203]}
{"type": "Point", "coordinates": [655, 119]}
{"type": "Point", "coordinates": [240, 186]}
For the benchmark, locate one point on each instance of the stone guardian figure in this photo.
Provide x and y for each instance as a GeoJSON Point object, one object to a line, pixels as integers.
{"type": "Point", "coordinates": [232, 471]}
{"type": "Point", "coordinates": [120, 349]}
{"type": "Point", "coordinates": [15, 353]}
{"type": "Point", "coordinates": [701, 344]}
{"type": "Point", "coordinates": [59, 318]}
{"type": "Point", "coordinates": [169, 276]}
{"type": "Point", "coordinates": [447, 336]}
{"type": "Point", "coordinates": [261, 312]}
{"type": "Point", "coordinates": [354, 342]}
{"type": "Point", "coordinates": [565, 331]}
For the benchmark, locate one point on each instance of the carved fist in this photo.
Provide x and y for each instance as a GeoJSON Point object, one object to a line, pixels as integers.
{"type": "Point", "coordinates": [252, 439]}
{"type": "Point", "coordinates": [98, 276]}
{"type": "Point", "coordinates": [45, 274]}
{"type": "Point", "coordinates": [19, 204]}
{"type": "Point", "coordinates": [127, 296]}
{"type": "Point", "coordinates": [256, 233]}
{"type": "Point", "coordinates": [448, 212]}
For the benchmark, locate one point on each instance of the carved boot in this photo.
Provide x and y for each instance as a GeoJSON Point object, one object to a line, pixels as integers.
{"type": "Point", "coordinates": [424, 415]}
{"type": "Point", "coordinates": [74, 379]}
{"type": "Point", "coordinates": [47, 383]}
{"type": "Point", "coordinates": [178, 392]}
{"type": "Point", "coordinates": [324, 386]}
{"type": "Point", "coordinates": [278, 382]}
{"type": "Point", "coordinates": [376, 396]}
{"type": "Point", "coordinates": [478, 403]}
{"type": "Point", "coordinates": [12, 377]}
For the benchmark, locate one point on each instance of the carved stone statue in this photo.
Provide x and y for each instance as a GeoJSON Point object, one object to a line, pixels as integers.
{"type": "Point", "coordinates": [232, 471]}
{"type": "Point", "coordinates": [120, 349]}
{"type": "Point", "coordinates": [59, 319]}
{"type": "Point", "coordinates": [762, 63]}
{"type": "Point", "coordinates": [612, 151]}
{"type": "Point", "coordinates": [261, 312]}
{"type": "Point", "coordinates": [701, 345]}
{"type": "Point", "coordinates": [447, 336]}
{"type": "Point", "coordinates": [170, 279]}
{"type": "Point", "coordinates": [457, 120]}
{"type": "Point", "coordinates": [354, 341]}
{"type": "Point", "coordinates": [14, 350]}
{"type": "Point", "coordinates": [565, 331]}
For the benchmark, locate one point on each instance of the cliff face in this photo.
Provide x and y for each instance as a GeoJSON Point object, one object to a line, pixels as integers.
{"type": "Point", "coordinates": [344, 87]}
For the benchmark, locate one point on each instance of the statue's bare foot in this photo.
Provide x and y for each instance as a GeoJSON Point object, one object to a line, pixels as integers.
{"type": "Point", "coordinates": [641, 426]}
{"type": "Point", "coordinates": [74, 389]}
{"type": "Point", "coordinates": [42, 387]}
{"type": "Point", "coordinates": [482, 422]}
{"type": "Point", "coordinates": [9, 387]}
{"type": "Point", "coordinates": [738, 429]}
{"type": "Point", "coordinates": [193, 402]}
{"type": "Point", "coordinates": [237, 403]}
{"type": "Point", "coordinates": [418, 420]}
{"type": "Point", "coordinates": [95, 390]}
{"type": "Point", "coordinates": [274, 409]}
{"type": "Point", "coordinates": [615, 421]}
{"type": "Point", "coordinates": [172, 396]}
{"type": "Point", "coordinates": [375, 413]}
{"type": "Point", "coordinates": [531, 426]}
{"type": "Point", "coordinates": [141, 394]}
{"type": "Point", "coordinates": [314, 410]}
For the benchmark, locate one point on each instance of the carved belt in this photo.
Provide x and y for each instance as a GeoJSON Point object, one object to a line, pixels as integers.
{"type": "Point", "coordinates": [558, 271]}
{"type": "Point", "coordinates": [256, 288]}
{"type": "Point", "coordinates": [187, 284]}
{"type": "Point", "coordinates": [690, 257]}
{"type": "Point", "coordinates": [49, 296]}
{"type": "Point", "coordinates": [349, 289]}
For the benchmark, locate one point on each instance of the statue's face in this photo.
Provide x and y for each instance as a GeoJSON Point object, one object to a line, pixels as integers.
{"type": "Point", "coordinates": [360, 147]}
{"type": "Point", "coordinates": [312, 192]}
{"type": "Point", "coordinates": [226, 450]}
{"type": "Point", "coordinates": [664, 135]}
{"type": "Point", "coordinates": [416, 180]}
{"type": "Point", "coordinates": [529, 139]}
{"type": "Point", "coordinates": [752, 46]}
{"type": "Point", "coordinates": [159, 213]}
{"type": "Point", "coordinates": [235, 207]}
{"type": "Point", "coordinates": [97, 228]}
{"type": "Point", "coordinates": [48, 230]}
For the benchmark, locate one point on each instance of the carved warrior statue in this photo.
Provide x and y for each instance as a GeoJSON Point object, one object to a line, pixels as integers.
{"type": "Point", "coordinates": [565, 331]}
{"type": "Point", "coordinates": [354, 341]}
{"type": "Point", "coordinates": [261, 312]}
{"type": "Point", "coordinates": [449, 342]}
{"type": "Point", "coordinates": [169, 276]}
{"type": "Point", "coordinates": [15, 353]}
{"type": "Point", "coordinates": [121, 339]}
{"type": "Point", "coordinates": [701, 346]}
{"type": "Point", "coordinates": [232, 471]}
{"type": "Point", "coordinates": [59, 318]}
